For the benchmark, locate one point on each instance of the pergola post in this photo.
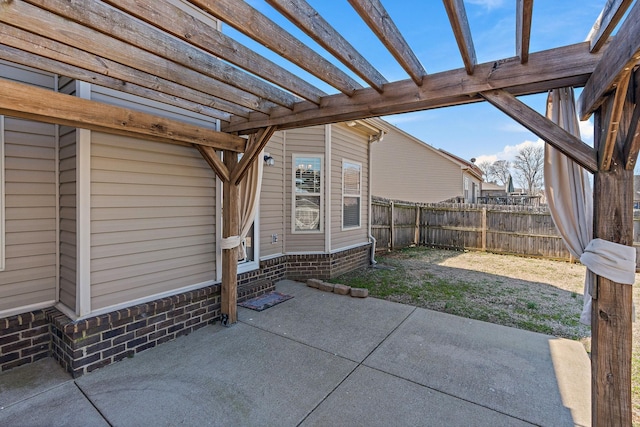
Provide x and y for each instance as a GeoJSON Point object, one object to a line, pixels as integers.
{"type": "Point", "coordinates": [611, 326]}
{"type": "Point", "coordinates": [230, 227]}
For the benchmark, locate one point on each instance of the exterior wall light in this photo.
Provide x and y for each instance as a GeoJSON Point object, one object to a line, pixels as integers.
{"type": "Point", "coordinates": [268, 160]}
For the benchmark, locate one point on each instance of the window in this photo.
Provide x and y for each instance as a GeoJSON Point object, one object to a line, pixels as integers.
{"type": "Point", "coordinates": [307, 193]}
{"type": "Point", "coordinates": [351, 194]}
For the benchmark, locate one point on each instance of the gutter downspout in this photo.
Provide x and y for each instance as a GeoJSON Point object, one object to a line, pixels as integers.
{"type": "Point", "coordinates": [372, 239]}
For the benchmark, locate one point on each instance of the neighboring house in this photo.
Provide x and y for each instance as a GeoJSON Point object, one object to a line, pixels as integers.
{"type": "Point", "coordinates": [111, 245]}
{"type": "Point", "coordinates": [410, 170]}
{"type": "Point", "coordinates": [491, 189]}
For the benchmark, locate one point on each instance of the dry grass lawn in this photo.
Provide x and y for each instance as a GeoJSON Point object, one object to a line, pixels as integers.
{"type": "Point", "coordinates": [533, 294]}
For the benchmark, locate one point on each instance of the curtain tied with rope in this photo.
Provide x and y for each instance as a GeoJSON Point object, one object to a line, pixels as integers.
{"type": "Point", "coordinates": [570, 200]}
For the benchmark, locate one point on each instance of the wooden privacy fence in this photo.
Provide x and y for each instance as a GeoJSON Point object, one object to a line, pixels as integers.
{"type": "Point", "coordinates": [515, 230]}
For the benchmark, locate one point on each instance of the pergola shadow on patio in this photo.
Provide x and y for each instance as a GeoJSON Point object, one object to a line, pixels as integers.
{"type": "Point", "coordinates": [321, 359]}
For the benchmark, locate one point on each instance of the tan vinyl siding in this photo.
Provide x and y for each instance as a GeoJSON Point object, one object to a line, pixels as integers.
{"type": "Point", "coordinates": [152, 219]}
{"type": "Point", "coordinates": [304, 141]}
{"type": "Point", "coordinates": [407, 169]}
{"type": "Point", "coordinates": [350, 145]}
{"type": "Point", "coordinates": [272, 210]}
{"type": "Point", "coordinates": [29, 276]}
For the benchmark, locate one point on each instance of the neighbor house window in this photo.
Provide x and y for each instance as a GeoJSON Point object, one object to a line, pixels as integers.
{"type": "Point", "coordinates": [351, 194]}
{"type": "Point", "coordinates": [307, 193]}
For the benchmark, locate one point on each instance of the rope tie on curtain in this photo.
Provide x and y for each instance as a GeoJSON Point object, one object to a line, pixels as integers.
{"type": "Point", "coordinates": [230, 242]}
{"type": "Point", "coordinates": [611, 260]}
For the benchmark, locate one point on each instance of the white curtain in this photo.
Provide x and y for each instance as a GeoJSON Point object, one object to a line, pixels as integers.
{"type": "Point", "coordinates": [570, 200]}
{"type": "Point", "coordinates": [250, 188]}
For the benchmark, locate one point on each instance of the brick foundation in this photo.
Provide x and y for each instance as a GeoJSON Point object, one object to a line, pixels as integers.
{"type": "Point", "coordinates": [88, 344]}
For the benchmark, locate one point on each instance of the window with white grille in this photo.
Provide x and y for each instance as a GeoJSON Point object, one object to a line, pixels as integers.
{"type": "Point", "coordinates": [351, 194]}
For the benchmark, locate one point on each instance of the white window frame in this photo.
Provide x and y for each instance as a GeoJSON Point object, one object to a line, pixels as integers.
{"type": "Point", "coordinates": [2, 195]}
{"type": "Point", "coordinates": [294, 167]}
{"type": "Point", "coordinates": [359, 195]}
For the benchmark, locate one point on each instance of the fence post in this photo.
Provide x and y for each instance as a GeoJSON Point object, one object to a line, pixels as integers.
{"type": "Point", "coordinates": [391, 230]}
{"type": "Point", "coordinates": [417, 229]}
{"type": "Point", "coordinates": [484, 228]}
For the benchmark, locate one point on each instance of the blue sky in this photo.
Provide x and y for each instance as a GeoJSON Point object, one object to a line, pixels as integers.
{"type": "Point", "coordinates": [476, 130]}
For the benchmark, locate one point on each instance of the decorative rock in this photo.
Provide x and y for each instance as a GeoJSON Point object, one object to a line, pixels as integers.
{"type": "Point", "coordinates": [314, 283]}
{"type": "Point", "coordinates": [341, 289]}
{"type": "Point", "coordinates": [359, 292]}
{"type": "Point", "coordinates": [327, 287]}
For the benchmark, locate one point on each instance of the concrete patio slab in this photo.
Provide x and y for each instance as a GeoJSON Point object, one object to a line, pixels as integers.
{"type": "Point", "coordinates": [533, 377]}
{"type": "Point", "coordinates": [342, 325]}
{"type": "Point", "coordinates": [373, 398]}
{"type": "Point", "coordinates": [64, 405]}
{"type": "Point", "coordinates": [299, 362]}
{"type": "Point", "coordinates": [28, 380]}
{"type": "Point", "coordinates": [237, 376]}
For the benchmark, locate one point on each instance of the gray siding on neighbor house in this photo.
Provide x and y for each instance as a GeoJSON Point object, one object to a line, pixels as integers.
{"type": "Point", "coordinates": [349, 145]}
{"type": "Point", "coordinates": [67, 170]}
{"type": "Point", "coordinates": [311, 141]}
{"type": "Point", "coordinates": [152, 219]}
{"type": "Point", "coordinates": [407, 169]}
{"type": "Point", "coordinates": [29, 276]}
{"type": "Point", "coordinates": [272, 199]}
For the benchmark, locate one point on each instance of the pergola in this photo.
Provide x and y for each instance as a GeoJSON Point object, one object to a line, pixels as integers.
{"type": "Point", "coordinates": [155, 49]}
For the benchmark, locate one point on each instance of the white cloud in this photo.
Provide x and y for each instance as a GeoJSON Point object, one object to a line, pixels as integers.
{"type": "Point", "coordinates": [509, 152]}
{"type": "Point", "coordinates": [489, 4]}
{"type": "Point", "coordinates": [586, 131]}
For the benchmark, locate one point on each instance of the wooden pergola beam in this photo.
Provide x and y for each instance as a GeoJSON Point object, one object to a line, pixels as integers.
{"type": "Point", "coordinates": [43, 47]}
{"type": "Point", "coordinates": [632, 140]}
{"type": "Point", "coordinates": [547, 130]}
{"type": "Point", "coordinates": [611, 14]}
{"type": "Point", "coordinates": [612, 306]}
{"type": "Point", "coordinates": [315, 26]}
{"type": "Point", "coordinates": [524, 15]}
{"type": "Point", "coordinates": [462, 32]}
{"type": "Point", "coordinates": [611, 124]}
{"type": "Point", "coordinates": [211, 157]}
{"type": "Point", "coordinates": [263, 30]}
{"type": "Point", "coordinates": [175, 21]}
{"type": "Point", "coordinates": [38, 21]}
{"type": "Point", "coordinates": [621, 56]}
{"type": "Point", "coordinates": [33, 103]}
{"type": "Point", "coordinates": [255, 145]}
{"type": "Point", "coordinates": [107, 20]}
{"type": "Point", "coordinates": [18, 56]}
{"type": "Point", "coordinates": [376, 17]}
{"type": "Point", "coordinates": [561, 67]}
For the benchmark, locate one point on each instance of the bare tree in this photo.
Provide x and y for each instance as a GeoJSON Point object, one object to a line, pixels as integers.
{"type": "Point", "coordinates": [529, 168]}
{"type": "Point", "coordinates": [500, 171]}
{"type": "Point", "coordinates": [485, 167]}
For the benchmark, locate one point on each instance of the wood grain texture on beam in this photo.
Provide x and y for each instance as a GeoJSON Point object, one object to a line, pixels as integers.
{"type": "Point", "coordinates": [524, 14]}
{"type": "Point", "coordinates": [612, 123]}
{"type": "Point", "coordinates": [38, 21]}
{"type": "Point", "coordinates": [379, 21]}
{"type": "Point", "coordinates": [211, 157]}
{"type": "Point", "coordinates": [611, 14]}
{"type": "Point", "coordinates": [621, 55]}
{"type": "Point", "coordinates": [105, 19]}
{"type": "Point", "coordinates": [46, 48]}
{"type": "Point", "coordinates": [230, 227]}
{"type": "Point", "coordinates": [33, 103]}
{"type": "Point", "coordinates": [244, 18]}
{"type": "Point", "coordinates": [632, 141]}
{"type": "Point", "coordinates": [550, 132]}
{"type": "Point", "coordinates": [315, 26]}
{"type": "Point", "coordinates": [611, 313]}
{"type": "Point", "coordinates": [175, 21]}
{"type": "Point", "coordinates": [255, 145]}
{"type": "Point", "coordinates": [461, 30]}
{"type": "Point", "coordinates": [21, 57]}
{"type": "Point", "coordinates": [561, 67]}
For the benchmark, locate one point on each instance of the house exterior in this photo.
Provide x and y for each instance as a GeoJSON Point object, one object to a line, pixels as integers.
{"type": "Point", "coordinates": [410, 170]}
{"type": "Point", "coordinates": [111, 244]}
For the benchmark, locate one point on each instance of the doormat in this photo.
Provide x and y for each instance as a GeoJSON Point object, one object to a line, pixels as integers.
{"type": "Point", "coordinates": [265, 301]}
